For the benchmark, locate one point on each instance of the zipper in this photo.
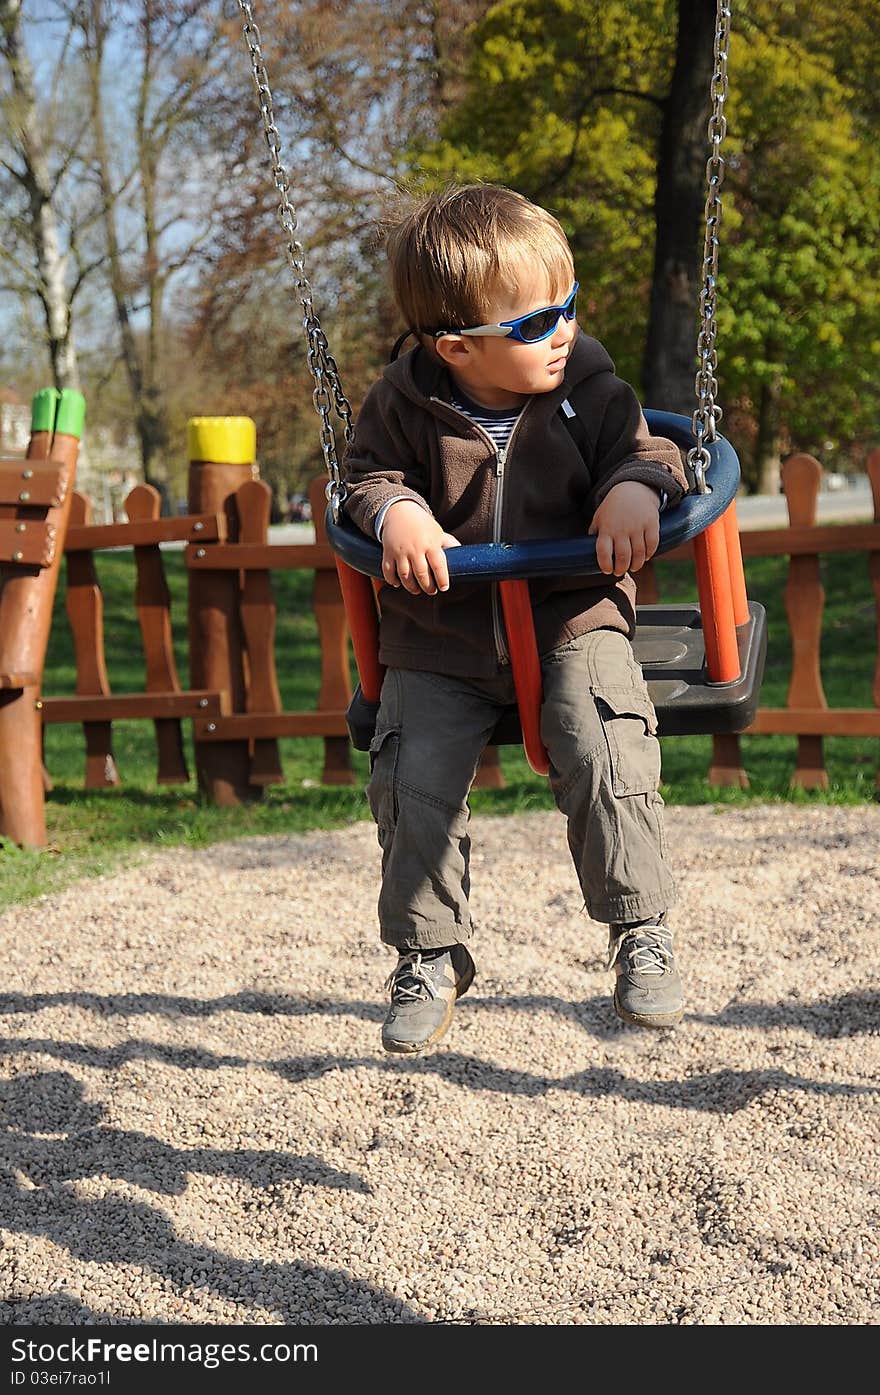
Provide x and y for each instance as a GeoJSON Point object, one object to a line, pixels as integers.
{"type": "Point", "coordinates": [501, 456]}
{"type": "Point", "coordinates": [497, 625]}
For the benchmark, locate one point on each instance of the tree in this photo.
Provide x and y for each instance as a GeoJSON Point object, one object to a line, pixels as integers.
{"type": "Point", "coordinates": [599, 112]}
{"type": "Point", "coordinates": [33, 257]}
{"type": "Point", "coordinates": [679, 202]}
{"type": "Point", "coordinates": [141, 177]}
{"type": "Point", "coordinates": [800, 296]}
{"type": "Point", "coordinates": [564, 101]}
{"type": "Point", "coordinates": [160, 195]}
{"type": "Point", "coordinates": [354, 87]}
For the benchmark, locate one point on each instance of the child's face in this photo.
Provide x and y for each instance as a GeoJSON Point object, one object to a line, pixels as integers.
{"type": "Point", "coordinates": [501, 372]}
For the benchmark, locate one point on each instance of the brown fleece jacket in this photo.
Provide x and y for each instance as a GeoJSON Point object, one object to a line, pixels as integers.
{"type": "Point", "coordinates": [409, 441]}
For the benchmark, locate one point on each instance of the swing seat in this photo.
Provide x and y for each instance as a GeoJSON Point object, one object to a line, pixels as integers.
{"type": "Point", "coordinates": [669, 643]}
{"type": "Point", "coordinates": [669, 646]}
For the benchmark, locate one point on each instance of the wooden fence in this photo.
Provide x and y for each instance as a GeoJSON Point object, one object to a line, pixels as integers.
{"type": "Point", "coordinates": [235, 704]}
{"type": "Point", "coordinates": [806, 714]}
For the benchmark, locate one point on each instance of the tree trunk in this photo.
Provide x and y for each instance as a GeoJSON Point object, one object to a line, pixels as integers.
{"type": "Point", "coordinates": [154, 435]}
{"type": "Point", "coordinates": [765, 473]}
{"type": "Point", "coordinates": [670, 362]}
{"type": "Point", "coordinates": [43, 225]}
{"type": "Point", "coordinates": [151, 442]}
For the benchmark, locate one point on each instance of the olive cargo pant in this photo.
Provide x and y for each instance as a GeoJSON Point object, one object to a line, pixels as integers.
{"type": "Point", "coordinates": [598, 724]}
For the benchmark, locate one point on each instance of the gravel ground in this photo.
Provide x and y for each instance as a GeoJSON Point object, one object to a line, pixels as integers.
{"type": "Point", "coordinates": [198, 1123]}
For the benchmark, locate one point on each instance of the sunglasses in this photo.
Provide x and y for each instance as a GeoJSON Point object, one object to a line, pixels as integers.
{"type": "Point", "coordinates": [526, 329]}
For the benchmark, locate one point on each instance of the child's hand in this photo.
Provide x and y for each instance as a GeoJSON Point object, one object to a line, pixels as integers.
{"type": "Point", "coordinates": [627, 523]}
{"type": "Point", "coordinates": [413, 544]}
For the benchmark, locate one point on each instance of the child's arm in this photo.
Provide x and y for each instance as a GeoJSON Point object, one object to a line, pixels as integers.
{"type": "Point", "coordinates": [387, 491]}
{"type": "Point", "coordinates": [382, 463]}
{"type": "Point", "coordinates": [632, 471]}
{"type": "Point", "coordinates": [413, 546]}
{"type": "Point", "coordinates": [627, 525]}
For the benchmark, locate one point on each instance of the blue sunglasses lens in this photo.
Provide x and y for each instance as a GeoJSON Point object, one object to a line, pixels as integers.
{"type": "Point", "coordinates": [542, 324]}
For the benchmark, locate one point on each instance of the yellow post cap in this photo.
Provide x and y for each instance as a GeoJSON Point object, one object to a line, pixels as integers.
{"type": "Point", "coordinates": [230, 440]}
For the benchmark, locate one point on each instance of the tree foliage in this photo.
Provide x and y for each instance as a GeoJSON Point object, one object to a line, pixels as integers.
{"type": "Point", "coordinates": [801, 289]}
{"type": "Point", "coordinates": [374, 99]}
{"type": "Point", "coordinates": [563, 101]}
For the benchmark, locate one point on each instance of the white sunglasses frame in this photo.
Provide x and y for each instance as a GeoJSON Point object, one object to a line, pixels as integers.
{"type": "Point", "coordinates": [507, 329]}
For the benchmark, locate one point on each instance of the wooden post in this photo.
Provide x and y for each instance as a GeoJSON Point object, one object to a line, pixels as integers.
{"type": "Point", "coordinates": [489, 774]}
{"type": "Point", "coordinates": [25, 620]}
{"type": "Point", "coordinates": [221, 454]}
{"type": "Point", "coordinates": [804, 603]}
{"type": "Point", "coordinates": [153, 603]}
{"type": "Point", "coordinates": [727, 767]}
{"type": "Point", "coordinates": [258, 615]}
{"type": "Point", "coordinates": [85, 611]}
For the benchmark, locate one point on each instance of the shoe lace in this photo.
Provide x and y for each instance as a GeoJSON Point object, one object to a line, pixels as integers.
{"type": "Point", "coordinates": [409, 982]}
{"type": "Point", "coordinates": [646, 948]}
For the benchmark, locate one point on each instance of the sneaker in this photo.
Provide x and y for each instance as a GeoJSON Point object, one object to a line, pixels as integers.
{"type": "Point", "coordinates": [648, 989]}
{"type": "Point", "coordinates": [424, 987]}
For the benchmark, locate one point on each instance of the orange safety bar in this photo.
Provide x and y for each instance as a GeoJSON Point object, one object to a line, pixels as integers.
{"type": "Point", "coordinates": [716, 602]}
{"type": "Point", "coordinates": [526, 669]}
{"type": "Point", "coordinates": [735, 563]}
{"type": "Point", "coordinates": [363, 622]}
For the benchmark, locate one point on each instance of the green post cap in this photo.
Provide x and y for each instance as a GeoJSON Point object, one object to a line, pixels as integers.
{"type": "Point", "coordinates": [43, 405]}
{"type": "Point", "coordinates": [52, 410]}
{"type": "Point", "coordinates": [71, 413]}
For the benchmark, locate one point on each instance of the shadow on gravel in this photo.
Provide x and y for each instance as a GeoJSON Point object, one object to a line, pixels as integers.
{"type": "Point", "coordinates": [113, 1230]}
{"type": "Point", "coordinates": [170, 1005]}
{"type": "Point", "coordinates": [845, 1016]}
{"type": "Point", "coordinates": [118, 1232]}
{"type": "Point", "coordinates": [721, 1092]}
{"type": "Point", "coordinates": [112, 1057]}
{"type": "Point", "coordinates": [60, 1309]}
{"type": "Point", "coordinates": [51, 1134]}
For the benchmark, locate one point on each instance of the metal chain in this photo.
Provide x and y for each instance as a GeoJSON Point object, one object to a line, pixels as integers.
{"type": "Point", "coordinates": [708, 413]}
{"type": "Point", "coordinates": [328, 392]}
{"type": "Point", "coordinates": [323, 366]}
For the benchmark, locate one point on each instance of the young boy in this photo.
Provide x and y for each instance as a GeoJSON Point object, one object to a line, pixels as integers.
{"type": "Point", "coordinates": [464, 440]}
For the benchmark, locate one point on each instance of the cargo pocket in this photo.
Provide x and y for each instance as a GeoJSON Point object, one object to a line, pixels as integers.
{"type": "Point", "coordinates": [629, 723]}
{"type": "Point", "coordinates": [381, 789]}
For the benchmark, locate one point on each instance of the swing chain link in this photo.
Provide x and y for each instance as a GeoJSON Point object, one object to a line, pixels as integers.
{"type": "Point", "coordinates": [328, 393]}
{"type": "Point", "coordinates": [708, 413]}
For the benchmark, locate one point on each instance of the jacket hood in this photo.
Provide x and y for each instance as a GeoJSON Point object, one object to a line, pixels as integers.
{"type": "Point", "coordinates": [420, 376]}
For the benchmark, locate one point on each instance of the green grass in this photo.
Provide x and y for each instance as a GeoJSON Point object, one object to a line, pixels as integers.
{"type": "Point", "coordinates": [94, 832]}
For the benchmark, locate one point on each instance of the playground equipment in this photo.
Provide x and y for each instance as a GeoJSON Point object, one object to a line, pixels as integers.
{"type": "Point", "coordinates": [35, 499]}
{"type": "Point", "coordinates": [703, 666]}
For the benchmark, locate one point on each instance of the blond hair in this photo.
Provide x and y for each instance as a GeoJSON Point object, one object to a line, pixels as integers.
{"type": "Point", "coordinates": [452, 254]}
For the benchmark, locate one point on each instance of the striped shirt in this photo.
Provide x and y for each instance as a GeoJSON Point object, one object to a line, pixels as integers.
{"type": "Point", "coordinates": [497, 422]}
